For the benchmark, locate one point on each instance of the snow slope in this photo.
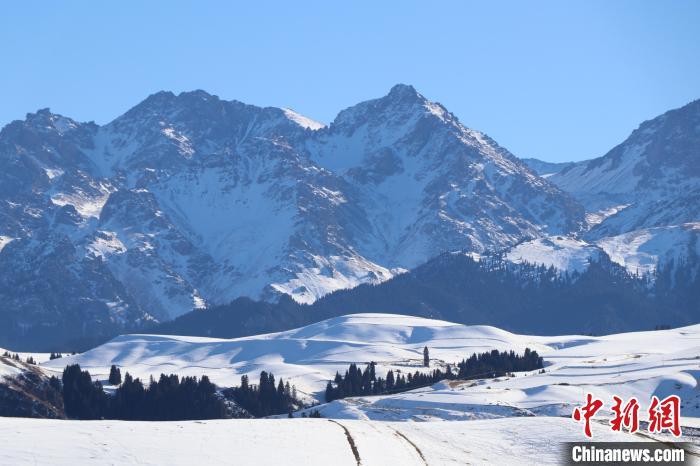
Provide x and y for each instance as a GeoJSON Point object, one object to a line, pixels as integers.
{"type": "Point", "coordinates": [300, 442]}
{"type": "Point", "coordinates": [562, 253]}
{"type": "Point", "coordinates": [644, 250]}
{"type": "Point", "coordinates": [640, 251]}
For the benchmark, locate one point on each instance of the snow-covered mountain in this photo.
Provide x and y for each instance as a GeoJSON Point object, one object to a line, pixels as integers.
{"type": "Point", "coordinates": [187, 200]}
{"type": "Point", "coordinates": [642, 199]}
{"type": "Point", "coordinates": [652, 179]}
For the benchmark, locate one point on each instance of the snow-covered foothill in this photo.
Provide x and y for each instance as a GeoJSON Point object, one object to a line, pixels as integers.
{"type": "Point", "coordinates": [637, 364]}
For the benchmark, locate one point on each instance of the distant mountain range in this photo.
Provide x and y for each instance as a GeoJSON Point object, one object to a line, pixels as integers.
{"type": "Point", "coordinates": [188, 201]}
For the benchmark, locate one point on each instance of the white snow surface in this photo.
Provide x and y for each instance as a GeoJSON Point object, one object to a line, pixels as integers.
{"type": "Point", "coordinates": [308, 442]}
{"type": "Point", "coordinates": [640, 251]}
{"type": "Point", "coordinates": [8, 367]}
{"type": "Point", "coordinates": [302, 121]}
{"type": "Point", "coordinates": [562, 253]}
{"type": "Point", "coordinates": [4, 241]}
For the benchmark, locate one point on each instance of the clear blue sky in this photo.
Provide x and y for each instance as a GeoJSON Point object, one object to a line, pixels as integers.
{"type": "Point", "coordinates": [557, 80]}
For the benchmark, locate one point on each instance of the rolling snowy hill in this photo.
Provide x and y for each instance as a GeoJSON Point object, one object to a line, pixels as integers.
{"type": "Point", "coordinates": [308, 357]}
{"type": "Point", "coordinates": [630, 364]}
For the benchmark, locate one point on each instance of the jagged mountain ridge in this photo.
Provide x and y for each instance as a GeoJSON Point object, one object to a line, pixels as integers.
{"type": "Point", "coordinates": [188, 199]}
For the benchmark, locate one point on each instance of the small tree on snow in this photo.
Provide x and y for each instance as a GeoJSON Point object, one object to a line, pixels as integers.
{"type": "Point", "coordinates": [426, 357]}
{"type": "Point", "coordinates": [115, 376]}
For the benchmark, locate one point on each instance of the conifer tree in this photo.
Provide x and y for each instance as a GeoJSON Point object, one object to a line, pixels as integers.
{"type": "Point", "coordinates": [115, 375]}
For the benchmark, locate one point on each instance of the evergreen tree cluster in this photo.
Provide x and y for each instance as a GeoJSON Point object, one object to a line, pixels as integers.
{"type": "Point", "coordinates": [55, 356]}
{"type": "Point", "coordinates": [266, 398]}
{"type": "Point", "coordinates": [357, 382]}
{"type": "Point", "coordinates": [168, 399]}
{"type": "Point", "coordinates": [83, 398]}
{"type": "Point", "coordinates": [496, 364]}
{"type": "Point", "coordinates": [13, 356]}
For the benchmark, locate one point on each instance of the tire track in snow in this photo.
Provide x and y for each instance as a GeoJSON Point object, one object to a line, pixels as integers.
{"type": "Point", "coordinates": [351, 441]}
{"type": "Point", "coordinates": [415, 447]}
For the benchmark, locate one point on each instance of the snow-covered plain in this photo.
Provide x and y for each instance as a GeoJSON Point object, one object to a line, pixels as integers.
{"type": "Point", "coordinates": [307, 442]}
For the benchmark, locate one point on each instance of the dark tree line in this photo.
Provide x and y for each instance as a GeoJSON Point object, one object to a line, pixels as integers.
{"type": "Point", "coordinates": [266, 398]}
{"type": "Point", "coordinates": [496, 364]}
{"type": "Point", "coordinates": [357, 382]}
{"type": "Point", "coordinates": [169, 398]}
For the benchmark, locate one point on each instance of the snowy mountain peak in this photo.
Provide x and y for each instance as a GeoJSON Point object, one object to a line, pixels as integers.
{"type": "Point", "coordinates": [403, 92]}
{"type": "Point", "coordinates": [46, 121]}
{"type": "Point", "coordinates": [402, 105]}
